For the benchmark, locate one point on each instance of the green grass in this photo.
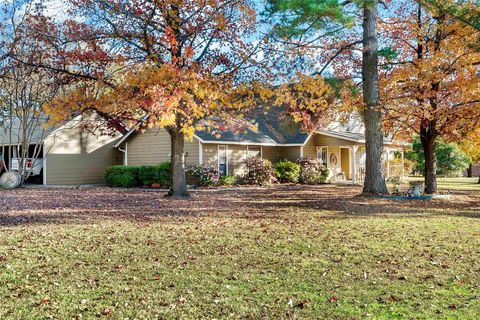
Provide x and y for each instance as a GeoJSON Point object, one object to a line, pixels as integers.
{"type": "Point", "coordinates": [308, 252]}
{"type": "Point", "coordinates": [444, 184]}
{"type": "Point", "coordinates": [469, 184]}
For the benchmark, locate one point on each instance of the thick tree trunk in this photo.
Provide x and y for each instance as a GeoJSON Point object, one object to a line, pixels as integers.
{"type": "Point", "coordinates": [179, 181]}
{"type": "Point", "coordinates": [430, 173]}
{"type": "Point", "coordinates": [374, 175]}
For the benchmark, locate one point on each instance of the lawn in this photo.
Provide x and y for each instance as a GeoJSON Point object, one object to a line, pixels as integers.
{"type": "Point", "coordinates": [285, 252]}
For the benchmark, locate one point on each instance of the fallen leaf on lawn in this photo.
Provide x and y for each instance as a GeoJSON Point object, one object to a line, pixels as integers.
{"type": "Point", "coordinates": [332, 299]}
{"type": "Point", "coordinates": [107, 312]}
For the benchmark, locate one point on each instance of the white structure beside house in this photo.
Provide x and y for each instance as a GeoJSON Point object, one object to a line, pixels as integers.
{"type": "Point", "coordinates": [71, 154]}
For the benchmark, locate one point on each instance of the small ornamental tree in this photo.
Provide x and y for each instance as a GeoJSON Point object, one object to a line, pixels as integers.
{"type": "Point", "coordinates": [24, 89]}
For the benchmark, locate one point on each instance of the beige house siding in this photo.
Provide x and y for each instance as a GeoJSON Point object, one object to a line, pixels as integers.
{"type": "Point", "coordinates": [310, 149]}
{"type": "Point", "coordinates": [153, 147]}
{"type": "Point", "coordinates": [210, 155]}
{"type": "Point", "coordinates": [272, 153]}
{"type": "Point", "coordinates": [75, 156]}
{"type": "Point", "coordinates": [238, 153]}
{"type": "Point", "coordinates": [290, 153]}
{"type": "Point", "coordinates": [321, 140]}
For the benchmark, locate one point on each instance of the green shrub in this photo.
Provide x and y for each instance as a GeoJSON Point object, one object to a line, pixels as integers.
{"type": "Point", "coordinates": [227, 181]}
{"type": "Point", "coordinates": [312, 171]}
{"type": "Point", "coordinates": [451, 159]}
{"type": "Point", "coordinates": [287, 171]}
{"type": "Point", "coordinates": [259, 171]}
{"type": "Point", "coordinates": [147, 175]}
{"type": "Point", "coordinates": [122, 176]}
{"type": "Point", "coordinates": [137, 176]}
{"type": "Point", "coordinates": [164, 174]}
{"type": "Point", "coordinates": [205, 175]}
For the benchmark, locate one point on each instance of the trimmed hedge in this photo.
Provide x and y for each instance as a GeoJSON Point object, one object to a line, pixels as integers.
{"type": "Point", "coordinates": [138, 176]}
{"type": "Point", "coordinates": [287, 171]}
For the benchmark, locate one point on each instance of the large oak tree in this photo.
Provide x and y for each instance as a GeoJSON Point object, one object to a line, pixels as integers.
{"type": "Point", "coordinates": [431, 84]}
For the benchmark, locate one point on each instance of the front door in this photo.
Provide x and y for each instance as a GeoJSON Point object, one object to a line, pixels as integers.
{"type": "Point", "coordinates": [345, 159]}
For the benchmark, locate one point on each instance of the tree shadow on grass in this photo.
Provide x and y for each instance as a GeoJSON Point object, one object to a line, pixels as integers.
{"type": "Point", "coordinates": [93, 205]}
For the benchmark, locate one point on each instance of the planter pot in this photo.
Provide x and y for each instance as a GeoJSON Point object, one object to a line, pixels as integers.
{"type": "Point", "coordinates": [155, 186]}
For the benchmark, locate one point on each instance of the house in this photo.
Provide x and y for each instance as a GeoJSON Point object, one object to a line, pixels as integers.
{"type": "Point", "coordinates": [340, 147]}
{"type": "Point", "coordinates": [74, 153]}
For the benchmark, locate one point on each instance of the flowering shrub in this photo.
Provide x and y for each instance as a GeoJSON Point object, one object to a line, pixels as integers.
{"type": "Point", "coordinates": [259, 171]}
{"type": "Point", "coordinates": [206, 176]}
{"type": "Point", "coordinates": [287, 171]}
{"type": "Point", "coordinates": [312, 171]}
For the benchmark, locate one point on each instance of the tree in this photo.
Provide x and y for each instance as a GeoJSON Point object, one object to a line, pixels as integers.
{"type": "Point", "coordinates": [178, 64]}
{"type": "Point", "coordinates": [451, 159]}
{"type": "Point", "coordinates": [470, 144]}
{"type": "Point", "coordinates": [430, 85]}
{"type": "Point", "coordinates": [467, 12]}
{"type": "Point", "coordinates": [374, 179]}
{"type": "Point", "coordinates": [302, 18]}
{"type": "Point", "coordinates": [177, 61]}
{"type": "Point", "coordinates": [24, 89]}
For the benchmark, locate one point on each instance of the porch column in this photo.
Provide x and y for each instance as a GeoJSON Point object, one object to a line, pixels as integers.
{"type": "Point", "coordinates": [387, 150]}
{"type": "Point", "coordinates": [354, 164]}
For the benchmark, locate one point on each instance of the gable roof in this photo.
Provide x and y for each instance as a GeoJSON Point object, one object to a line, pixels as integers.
{"type": "Point", "coordinates": [9, 135]}
{"type": "Point", "coordinates": [274, 128]}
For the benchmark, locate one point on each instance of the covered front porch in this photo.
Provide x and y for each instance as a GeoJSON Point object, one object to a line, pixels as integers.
{"type": "Point", "coordinates": [344, 154]}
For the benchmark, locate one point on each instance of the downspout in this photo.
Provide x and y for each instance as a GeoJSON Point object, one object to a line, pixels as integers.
{"type": "Point", "coordinates": [125, 154]}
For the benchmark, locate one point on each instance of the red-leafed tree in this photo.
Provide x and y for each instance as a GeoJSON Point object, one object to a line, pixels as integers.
{"type": "Point", "coordinates": [182, 62]}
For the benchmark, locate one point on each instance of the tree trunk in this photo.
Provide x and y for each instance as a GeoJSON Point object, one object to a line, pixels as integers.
{"type": "Point", "coordinates": [428, 143]}
{"type": "Point", "coordinates": [374, 175]}
{"type": "Point", "coordinates": [478, 180]}
{"type": "Point", "coordinates": [470, 171]}
{"type": "Point", "coordinates": [179, 180]}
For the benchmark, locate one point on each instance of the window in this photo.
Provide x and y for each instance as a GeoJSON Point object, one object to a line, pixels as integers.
{"type": "Point", "coordinates": [222, 160]}
{"type": "Point", "coordinates": [322, 155]}
{"type": "Point", "coordinates": [254, 151]}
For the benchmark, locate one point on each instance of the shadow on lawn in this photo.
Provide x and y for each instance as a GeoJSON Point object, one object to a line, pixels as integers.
{"type": "Point", "coordinates": [84, 206]}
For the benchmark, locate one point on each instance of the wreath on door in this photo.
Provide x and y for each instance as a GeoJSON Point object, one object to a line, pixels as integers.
{"type": "Point", "coordinates": [333, 159]}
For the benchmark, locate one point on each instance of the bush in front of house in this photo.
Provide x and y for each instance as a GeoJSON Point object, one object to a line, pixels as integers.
{"type": "Point", "coordinates": [137, 176]}
{"type": "Point", "coordinates": [122, 176]}
{"type": "Point", "coordinates": [151, 175]}
{"type": "Point", "coordinates": [258, 172]}
{"type": "Point", "coordinates": [227, 181]}
{"type": "Point", "coordinates": [287, 171]}
{"type": "Point", "coordinates": [206, 176]}
{"type": "Point", "coordinates": [312, 171]}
